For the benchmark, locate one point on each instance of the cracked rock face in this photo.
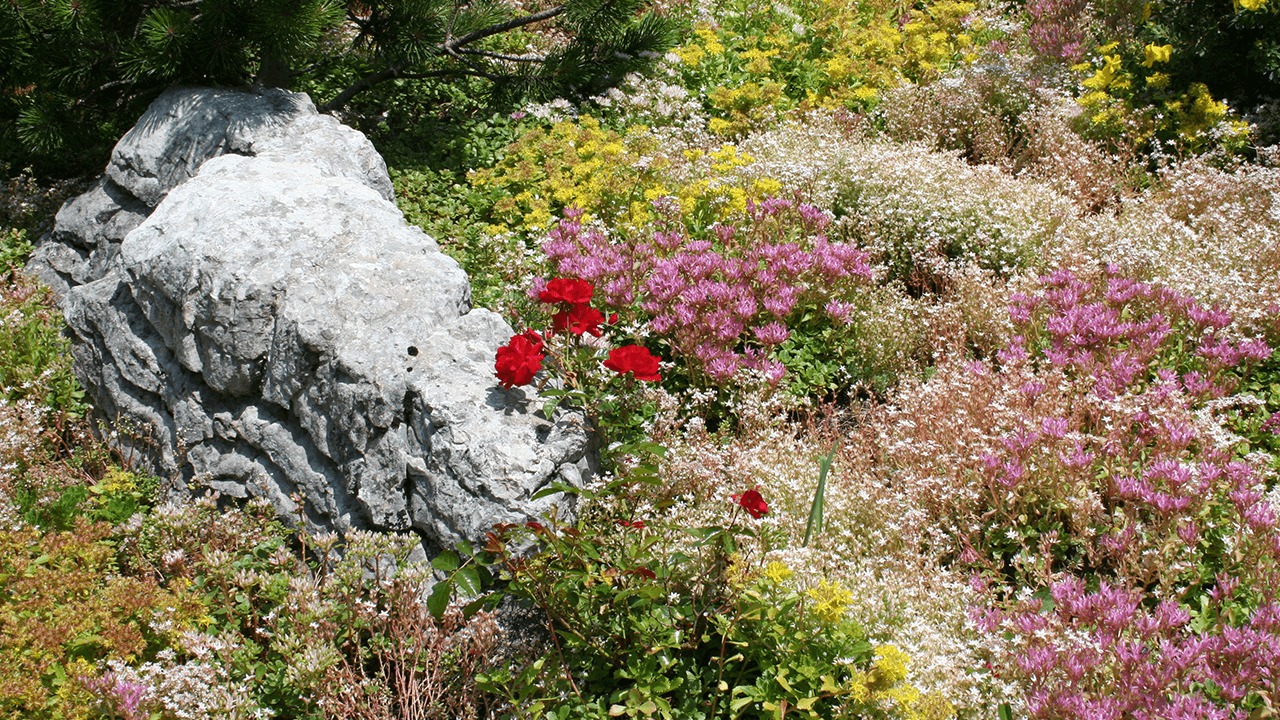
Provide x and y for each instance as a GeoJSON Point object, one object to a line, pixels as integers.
{"type": "Point", "coordinates": [244, 294]}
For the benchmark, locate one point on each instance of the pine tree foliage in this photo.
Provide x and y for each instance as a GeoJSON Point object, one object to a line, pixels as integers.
{"type": "Point", "coordinates": [75, 73]}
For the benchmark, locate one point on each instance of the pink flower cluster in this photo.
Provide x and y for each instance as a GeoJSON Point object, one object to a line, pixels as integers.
{"type": "Point", "coordinates": [1108, 448]}
{"type": "Point", "coordinates": [1115, 338]}
{"type": "Point", "coordinates": [1158, 469]}
{"type": "Point", "coordinates": [724, 301]}
{"type": "Point", "coordinates": [1058, 29]}
{"type": "Point", "coordinates": [125, 697]}
{"type": "Point", "coordinates": [1108, 655]}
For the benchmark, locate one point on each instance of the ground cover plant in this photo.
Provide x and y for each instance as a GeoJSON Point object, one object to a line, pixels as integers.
{"type": "Point", "coordinates": [932, 352]}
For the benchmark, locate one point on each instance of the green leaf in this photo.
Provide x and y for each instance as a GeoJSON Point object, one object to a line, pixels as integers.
{"type": "Point", "coordinates": [1006, 712]}
{"type": "Point", "coordinates": [446, 561]}
{"type": "Point", "coordinates": [642, 447]}
{"type": "Point", "coordinates": [438, 600]}
{"type": "Point", "coordinates": [468, 580]}
{"type": "Point", "coordinates": [470, 609]}
{"type": "Point", "coordinates": [556, 487]}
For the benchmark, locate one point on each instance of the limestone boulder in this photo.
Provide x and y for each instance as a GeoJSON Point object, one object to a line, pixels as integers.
{"type": "Point", "coordinates": [243, 293]}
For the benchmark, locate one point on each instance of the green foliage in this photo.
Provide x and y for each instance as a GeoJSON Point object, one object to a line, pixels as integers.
{"type": "Point", "coordinates": [14, 249]}
{"type": "Point", "coordinates": [1234, 48]}
{"type": "Point", "coordinates": [35, 360]}
{"type": "Point", "coordinates": [653, 620]}
{"type": "Point", "coordinates": [1176, 76]}
{"type": "Point", "coordinates": [1259, 426]}
{"type": "Point", "coordinates": [75, 73]}
{"type": "Point", "coordinates": [65, 605]}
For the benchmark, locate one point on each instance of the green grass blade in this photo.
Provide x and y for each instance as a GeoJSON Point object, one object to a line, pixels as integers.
{"type": "Point", "coordinates": [814, 527]}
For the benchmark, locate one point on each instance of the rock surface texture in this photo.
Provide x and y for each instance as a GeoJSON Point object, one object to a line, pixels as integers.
{"type": "Point", "coordinates": [246, 297]}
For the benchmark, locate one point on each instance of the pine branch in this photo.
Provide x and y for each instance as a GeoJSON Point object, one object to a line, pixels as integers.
{"type": "Point", "coordinates": [455, 48]}
{"type": "Point", "coordinates": [503, 27]}
{"type": "Point", "coordinates": [500, 56]}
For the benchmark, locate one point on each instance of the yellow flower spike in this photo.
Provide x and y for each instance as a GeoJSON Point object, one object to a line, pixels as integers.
{"type": "Point", "coordinates": [865, 93]}
{"type": "Point", "coordinates": [858, 689]}
{"type": "Point", "coordinates": [838, 68]}
{"type": "Point", "coordinates": [719, 126]}
{"type": "Point", "coordinates": [932, 706]}
{"type": "Point", "coordinates": [890, 665]}
{"type": "Point", "coordinates": [737, 202]}
{"type": "Point", "coordinates": [655, 192]}
{"type": "Point", "coordinates": [777, 572]}
{"type": "Point", "coordinates": [831, 600]}
{"type": "Point", "coordinates": [1157, 54]}
{"type": "Point", "coordinates": [906, 696]}
{"type": "Point", "coordinates": [1251, 5]}
{"type": "Point", "coordinates": [711, 41]}
{"type": "Point", "coordinates": [691, 55]}
{"type": "Point", "coordinates": [763, 187]}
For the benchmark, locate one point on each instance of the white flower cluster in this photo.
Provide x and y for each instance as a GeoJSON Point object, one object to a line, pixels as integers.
{"type": "Point", "coordinates": [1208, 232]}
{"type": "Point", "coordinates": [911, 206]}
{"type": "Point", "coordinates": [195, 688]}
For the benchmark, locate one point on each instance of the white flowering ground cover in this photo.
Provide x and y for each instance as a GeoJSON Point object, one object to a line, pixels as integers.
{"type": "Point", "coordinates": [947, 388]}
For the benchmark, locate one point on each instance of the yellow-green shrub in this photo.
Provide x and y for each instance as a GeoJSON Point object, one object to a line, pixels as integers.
{"type": "Point", "coordinates": [614, 177]}
{"type": "Point", "coordinates": [1129, 99]}
{"type": "Point", "coordinates": [762, 60]}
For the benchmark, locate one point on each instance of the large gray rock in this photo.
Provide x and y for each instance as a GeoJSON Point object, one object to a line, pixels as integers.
{"type": "Point", "coordinates": [244, 294]}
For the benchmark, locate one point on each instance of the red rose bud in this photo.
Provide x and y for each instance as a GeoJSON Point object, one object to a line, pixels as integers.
{"type": "Point", "coordinates": [636, 360]}
{"type": "Point", "coordinates": [566, 290]}
{"type": "Point", "coordinates": [519, 360]}
{"type": "Point", "coordinates": [578, 319]}
{"type": "Point", "coordinates": [753, 502]}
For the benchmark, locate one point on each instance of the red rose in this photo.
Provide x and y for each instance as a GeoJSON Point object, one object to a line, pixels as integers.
{"type": "Point", "coordinates": [519, 360]}
{"type": "Point", "coordinates": [636, 360]}
{"type": "Point", "coordinates": [753, 502]}
{"type": "Point", "coordinates": [578, 319]}
{"type": "Point", "coordinates": [534, 339]}
{"type": "Point", "coordinates": [566, 290]}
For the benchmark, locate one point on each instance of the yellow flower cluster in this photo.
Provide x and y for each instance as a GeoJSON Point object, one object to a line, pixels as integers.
{"type": "Point", "coordinates": [1117, 107]}
{"type": "Point", "coordinates": [830, 600]}
{"type": "Point", "coordinates": [885, 686]}
{"type": "Point", "coordinates": [745, 107]}
{"type": "Point", "coordinates": [825, 53]}
{"type": "Point", "coordinates": [777, 572]}
{"type": "Point", "coordinates": [614, 177]}
{"type": "Point", "coordinates": [574, 164]}
{"type": "Point", "coordinates": [117, 480]}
